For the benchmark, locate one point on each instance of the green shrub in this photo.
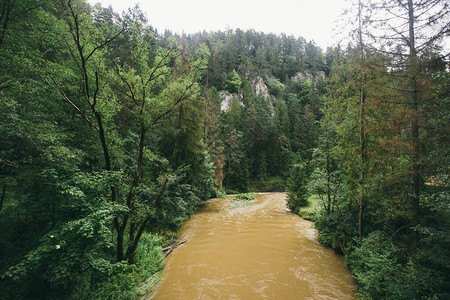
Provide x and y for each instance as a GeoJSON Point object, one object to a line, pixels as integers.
{"type": "Point", "coordinates": [276, 88]}
{"type": "Point", "coordinates": [119, 285]}
{"type": "Point", "coordinates": [312, 209]}
{"type": "Point", "coordinates": [124, 280]}
{"type": "Point", "coordinates": [245, 196]}
{"type": "Point", "coordinates": [221, 193]}
{"type": "Point", "coordinates": [307, 214]}
{"type": "Point", "coordinates": [328, 235]}
{"type": "Point", "coordinates": [384, 271]}
{"type": "Point", "coordinates": [177, 204]}
{"type": "Point", "coordinates": [149, 255]}
{"type": "Point", "coordinates": [243, 200]}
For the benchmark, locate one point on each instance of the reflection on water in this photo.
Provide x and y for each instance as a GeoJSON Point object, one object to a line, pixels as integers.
{"type": "Point", "coordinates": [262, 251]}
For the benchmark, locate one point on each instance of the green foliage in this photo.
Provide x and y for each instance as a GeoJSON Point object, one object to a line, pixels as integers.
{"type": "Point", "coordinates": [269, 184]}
{"type": "Point", "coordinates": [78, 166]}
{"type": "Point", "coordinates": [73, 248]}
{"type": "Point", "coordinates": [118, 285]}
{"type": "Point", "coordinates": [392, 232]}
{"type": "Point", "coordinates": [242, 200]}
{"type": "Point", "coordinates": [97, 110]}
{"type": "Point", "coordinates": [204, 186]}
{"type": "Point", "coordinates": [325, 179]}
{"type": "Point", "coordinates": [276, 88]}
{"type": "Point", "coordinates": [318, 183]}
{"type": "Point", "coordinates": [297, 193]}
{"type": "Point", "coordinates": [177, 203]}
{"type": "Point", "coordinates": [245, 197]}
{"type": "Point", "coordinates": [280, 55]}
{"type": "Point", "coordinates": [312, 210]}
{"type": "Point", "coordinates": [328, 235]}
{"type": "Point", "coordinates": [236, 170]}
{"type": "Point", "coordinates": [234, 82]}
{"type": "Point", "coordinates": [380, 269]}
{"type": "Point", "coordinates": [376, 268]}
{"type": "Point", "coordinates": [125, 282]}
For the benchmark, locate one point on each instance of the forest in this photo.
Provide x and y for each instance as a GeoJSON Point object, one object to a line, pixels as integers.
{"type": "Point", "coordinates": [112, 134]}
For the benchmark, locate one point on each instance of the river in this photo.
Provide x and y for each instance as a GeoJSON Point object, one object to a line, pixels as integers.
{"type": "Point", "coordinates": [256, 252]}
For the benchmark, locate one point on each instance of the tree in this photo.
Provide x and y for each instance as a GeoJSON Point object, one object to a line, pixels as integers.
{"type": "Point", "coordinates": [379, 103]}
{"type": "Point", "coordinates": [411, 30]}
{"type": "Point", "coordinates": [236, 171]}
{"type": "Point", "coordinates": [297, 191]}
{"type": "Point", "coordinates": [234, 82]}
{"type": "Point", "coordinates": [49, 193]}
{"type": "Point", "coordinates": [259, 135]}
{"type": "Point", "coordinates": [362, 123]}
{"type": "Point", "coordinates": [147, 90]}
{"type": "Point", "coordinates": [213, 125]}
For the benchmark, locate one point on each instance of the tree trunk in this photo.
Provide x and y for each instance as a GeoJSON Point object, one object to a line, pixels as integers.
{"type": "Point", "coordinates": [131, 250]}
{"type": "Point", "coordinates": [414, 98]}
{"type": "Point", "coordinates": [119, 245]}
{"type": "Point", "coordinates": [328, 175]}
{"type": "Point", "coordinates": [362, 141]}
{"type": "Point", "coordinates": [228, 176]}
{"type": "Point", "coordinates": [2, 197]}
{"type": "Point", "coordinates": [362, 127]}
{"type": "Point", "coordinates": [132, 198]}
{"type": "Point", "coordinates": [5, 12]}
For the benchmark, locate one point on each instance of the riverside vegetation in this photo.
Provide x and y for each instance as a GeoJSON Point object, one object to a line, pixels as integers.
{"type": "Point", "coordinates": [112, 134]}
{"type": "Point", "coordinates": [242, 200]}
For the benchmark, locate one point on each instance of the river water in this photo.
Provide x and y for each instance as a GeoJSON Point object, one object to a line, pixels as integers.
{"type": "Point", "coordinates": [256, 252]}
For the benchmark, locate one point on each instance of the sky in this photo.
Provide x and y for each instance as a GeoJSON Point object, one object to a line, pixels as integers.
{"type": "Point", "coordinates": [314, 20]}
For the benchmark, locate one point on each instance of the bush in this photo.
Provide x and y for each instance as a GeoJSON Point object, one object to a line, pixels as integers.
{"type": "Point", "coordinates": [383, 271]}
{"type": "Point", "coordinates": [327, 226]}
{"type": "Point", "coordinates": [243, 200]}
{"type": "Point", "coordinates": [177, 204]}
{"type": "Point", "coordinates": [276, 88]}
{"type": "Point", "coordinates": [245, 196]}
{"type": "Point", "coordinates": [124, 281]}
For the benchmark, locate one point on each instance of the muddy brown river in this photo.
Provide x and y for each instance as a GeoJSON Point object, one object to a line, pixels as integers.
{"type": "Point", "coordinates": [256, 252]}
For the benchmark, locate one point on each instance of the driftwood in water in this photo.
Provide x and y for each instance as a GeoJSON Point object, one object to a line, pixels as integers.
{"type": "Point", "coordinates": [169, 249]}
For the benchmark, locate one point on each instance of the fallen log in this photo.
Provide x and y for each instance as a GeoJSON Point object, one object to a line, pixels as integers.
{"type": "Point", "coordinates": [168, 250]}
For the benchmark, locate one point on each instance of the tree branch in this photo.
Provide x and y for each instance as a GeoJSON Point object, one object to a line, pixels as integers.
{"type": "Point", "coordinates": [56, 87]}
{"type": "Point", "coordinates": [132, 248]}
{"type": "Point", "coordinates": [159, 65]}
{"type": "Point", "coordinates": [181, 98]}
{"type": "Point", "coordinates": [104, 43]}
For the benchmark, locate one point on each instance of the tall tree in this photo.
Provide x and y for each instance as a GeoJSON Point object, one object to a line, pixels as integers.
{"type": "Point", "coordinates": [148, 87]}
{"type": "Point", "coordinates": [410, 30]}
{"type": "Point", "coordinates": [362, 121]}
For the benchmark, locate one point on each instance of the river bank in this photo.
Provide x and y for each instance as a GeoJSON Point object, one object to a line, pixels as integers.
{"type": "Point", "coordinates": [251, 252]}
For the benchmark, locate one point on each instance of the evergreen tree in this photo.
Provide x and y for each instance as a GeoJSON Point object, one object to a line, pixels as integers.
{"type": "Point", "coordinates": [297, 191]}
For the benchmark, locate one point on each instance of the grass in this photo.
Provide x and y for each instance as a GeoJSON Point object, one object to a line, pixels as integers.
{"type": "Point", "coordinates": [309, 212]}
{"type": "Point", "coordinates": [148, 287]}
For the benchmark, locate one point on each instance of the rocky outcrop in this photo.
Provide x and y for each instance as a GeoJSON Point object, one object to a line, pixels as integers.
{"type": "Point", "coordinates": [308, 76]}
{"type": "Point", "coordinates": [259, 87]}
{"type": "Point", "coordinates": [225, 100]}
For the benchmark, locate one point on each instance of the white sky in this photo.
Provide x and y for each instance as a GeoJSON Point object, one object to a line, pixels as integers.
{"type": "Point", "coordinates": [315, 20]}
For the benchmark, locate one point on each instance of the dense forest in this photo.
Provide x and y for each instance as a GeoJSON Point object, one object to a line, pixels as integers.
{"type": "Point", "coordinates": [113, 134]}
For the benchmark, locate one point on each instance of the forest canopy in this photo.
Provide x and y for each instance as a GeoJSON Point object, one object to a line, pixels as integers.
{"type": "Point", "coordinates": [113, 134]}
